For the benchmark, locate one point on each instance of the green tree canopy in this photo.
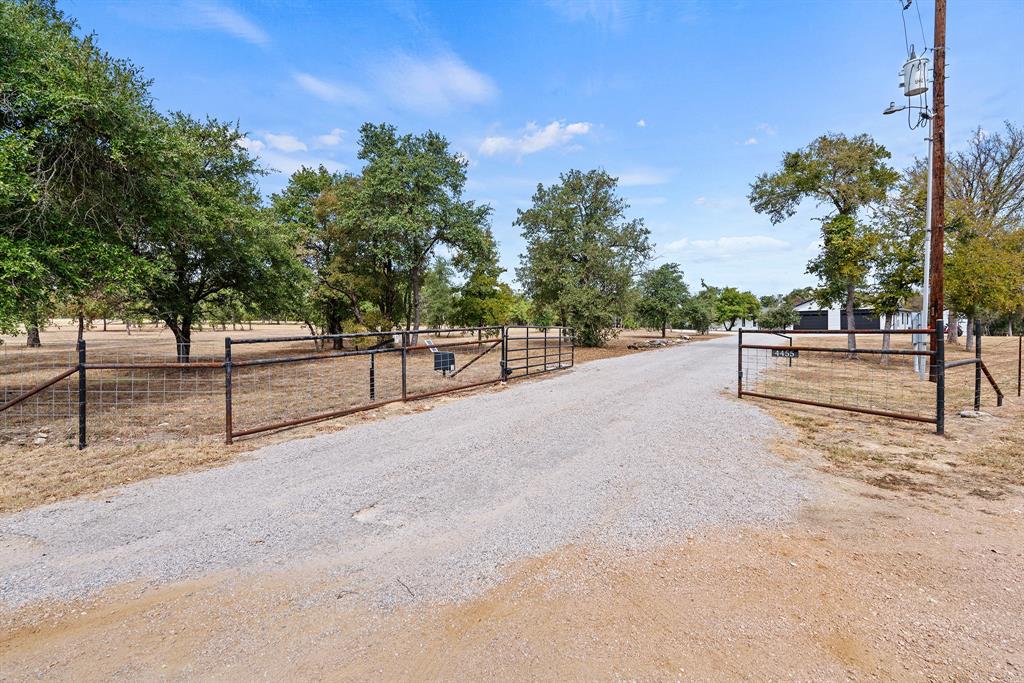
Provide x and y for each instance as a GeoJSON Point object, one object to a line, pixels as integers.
{"type": "Point", "coordinates": [582, 253]}
{"type": "Point", "coordinates": [846, 174]}
{"type": "Point", "coordinates": [77, 136]}
{"type": "Point", "coordinates": [732, 305]}
{"type": "Point", "coordinates": [662, 295]}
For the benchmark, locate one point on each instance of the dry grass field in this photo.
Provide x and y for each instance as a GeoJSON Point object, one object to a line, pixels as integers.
{"type": "Point", "coordinates": [153, 422]}
{"type": "Point", "coordinates": [978, 456]}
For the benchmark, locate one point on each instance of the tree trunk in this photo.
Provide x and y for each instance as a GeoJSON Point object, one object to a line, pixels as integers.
{"type": "Point", "coordinates": [104, 324]}
{"type": "Point", "coordinates": [32, 337]}
{"type": "Point", "coordinates": [969, 341]}
{"type": "Point", "coordinates": [886, 338]}
{"type": "Point", "coordinates": [334, 327]}
{"type": "Point", "coordinates": [954, 328]}
{"type": "Point", "coordinates": [81, 326]}
{"type": "Point", "coordinates": [851, 323]}
{"type": "Point", "coordinates": [182, 337]}
{"type": "Point", "coordinates": [416, 301]}
{"type": "Point", "coordinates": [664, 324]}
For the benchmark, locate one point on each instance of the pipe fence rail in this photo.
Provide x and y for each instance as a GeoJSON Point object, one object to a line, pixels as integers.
{"type": "Point", "coordinates": [876, 378]}
{"type": "Point", "coordinates": [879, 377]}
{"type": "Point", "coordinates": [138, 393]}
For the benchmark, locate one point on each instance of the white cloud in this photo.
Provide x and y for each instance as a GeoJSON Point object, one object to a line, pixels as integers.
{"type": "Point", "coordinates": [434, 85]}
{"type": "Point", "coordinates": [285, 142]}
{"type": "Point", "coordinates": [641, 123]}
{"type": "Point", "coordinates": [718, 203]}
{"type": "Point", "coordinates": [335, 93]}
{"type": "Point", "coordinates": [332, 139]}
{"type": "Point", "coordinates": [254, 146]}
{"type": "Point", "coordinates": [288, 163]}
{"type": "Point", "coordinates": [535, 139]}
{"type": "Point", "coordinates": [727, 248]}
{"type": "Point", "coordinates": [767, 128]}
{"type": "Point", "coordinates": [640, 177]}
{"type": "Point", "coordinates": [604, 13]}
{"type": "Point", "coordinates": [215, 16]}
{"type": "Point", "coordinates": [750, 141]}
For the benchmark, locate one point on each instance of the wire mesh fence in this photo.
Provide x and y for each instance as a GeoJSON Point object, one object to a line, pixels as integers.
{"type": "Point", "coordinates": [139, 391]}
{"type": "Point", "coordinates": [892, 375]}
{"type": "Point", "coordinates": [878, 378]}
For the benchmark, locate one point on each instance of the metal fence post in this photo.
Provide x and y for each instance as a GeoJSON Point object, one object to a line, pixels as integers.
{"type": "Point", "coordinates": [504, 353]}
{"type": "Point", "coordinates": [373, 385]}
{"type": "Point", "coordinates": [977, 365]}
{"type": "Point", "coordinates": [739, 365]}
{"type": "Point", "coordinates": [527, 349]}
{"type": "Point", "coordinates": [561, 332]}
{"type": "Point", "coordinates": [545, 349]}
{"type": "Point", "coordinates": [228, 426]}
{"type": "Point", "coordinates": [1020, 358]}
{"type": "Point", "coordinates": [939, 359]}
{"type": "Point", "coordinates": [405, 374]}
{"type": "Point", "coordinates": [82, 391]}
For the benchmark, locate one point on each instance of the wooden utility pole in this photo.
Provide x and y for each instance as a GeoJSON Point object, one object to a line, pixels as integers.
{"type": "Point", "coordinates": [937, 276]}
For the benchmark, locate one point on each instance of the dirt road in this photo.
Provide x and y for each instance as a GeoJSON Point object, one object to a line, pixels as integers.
{"type": "Point", "coordinates": [625, 520]}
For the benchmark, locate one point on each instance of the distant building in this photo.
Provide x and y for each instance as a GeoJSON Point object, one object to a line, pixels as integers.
{"type": "Point", "coordinates": [815, 317]}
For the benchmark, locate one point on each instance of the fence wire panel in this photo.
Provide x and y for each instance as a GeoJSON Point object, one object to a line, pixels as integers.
{"type": "Point", "coordinates": [884, 383]}
{"type": "Point", "coordinates": [534, 350]}
{"type": "Point", "coordinates": [280, 393]}
{"type": "Point", "coordinates": [455, 362]}
{"type": "Point", "coordinates": [151, 394]}
{"type": "Point", "coordinates": [51, 414]}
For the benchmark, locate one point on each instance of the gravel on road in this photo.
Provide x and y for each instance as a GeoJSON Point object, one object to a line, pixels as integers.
{"type": "Point", "coordinates": [622, 453]}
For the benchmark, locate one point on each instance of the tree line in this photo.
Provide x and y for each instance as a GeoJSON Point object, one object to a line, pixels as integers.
{"type": "Point", "coordinates": [872, 234]}
{"type": "Point", "coordinates": [112, 209]}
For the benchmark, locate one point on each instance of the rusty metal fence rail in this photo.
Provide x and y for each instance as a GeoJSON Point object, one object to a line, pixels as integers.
{"type": "Point", "coordinates": [875, 379]}
{"type": "Point", "coordinates": [136, 394]}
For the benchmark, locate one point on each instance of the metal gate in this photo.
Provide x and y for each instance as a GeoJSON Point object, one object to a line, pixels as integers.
{"type": "Point", "coordinates": [531, 350]}
{"type": "Point", "coordinates": [873, 379]}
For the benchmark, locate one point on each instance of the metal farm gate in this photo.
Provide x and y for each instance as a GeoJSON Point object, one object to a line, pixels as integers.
{"type": "Point", "coordinates": [535, 350]}
{"type": "Point", "coordinates": [136, 393]}
{"type": "Point", "coordinates": [900, 377]}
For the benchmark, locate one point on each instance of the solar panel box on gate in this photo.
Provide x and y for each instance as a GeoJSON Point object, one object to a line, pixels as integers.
{"type": "Point", "coordinates": [444, 361]}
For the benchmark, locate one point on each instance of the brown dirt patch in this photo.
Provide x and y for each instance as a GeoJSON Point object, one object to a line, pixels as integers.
{"type": "Point", "coordinates": [860, 588]}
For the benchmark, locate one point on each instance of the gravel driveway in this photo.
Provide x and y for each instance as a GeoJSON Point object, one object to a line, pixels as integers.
{"type": "Point", "coordinates": [623, 453]}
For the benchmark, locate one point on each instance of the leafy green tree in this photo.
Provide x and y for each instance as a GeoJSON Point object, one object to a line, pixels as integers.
{"type": "Point", "coordinates": [439, 294]}
{"type": "Point", "coordinates": [778, 315]}
{"type": "Point", "coordinates": [800, 295]}
{"type": "Point", "coordinates": [847, 175]}
{"type": "Point", "coordinates": [898, 259]}
{"type": "Point", "coordinates": [206, 233]}
{"type": "Point", "coordinates": [411, 202]}
{"type": "Point", "coordinates": [699, 311]}
{"type": "Point", "coordinates": [732, 305]}
{"type": "Point", "coordinates": [985, 220]}
{"type": "Point", "coordinates": [662, 295]}
{"type": "Point", "coordinates": [315, 211]}
{"type": "Point", "coordinates": [582, 253]}
{"type": "Point", "coordinates": [76, 138]}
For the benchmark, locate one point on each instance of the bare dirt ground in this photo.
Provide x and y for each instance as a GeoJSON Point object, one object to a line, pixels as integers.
{"type": "Point", "coordinates": [908, 565]}
{"type": "Point", "coordinates": [866, 586]}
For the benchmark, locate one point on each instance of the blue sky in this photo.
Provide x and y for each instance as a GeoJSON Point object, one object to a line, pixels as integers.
{"type": "Point", "coordinates": [686, 102]}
